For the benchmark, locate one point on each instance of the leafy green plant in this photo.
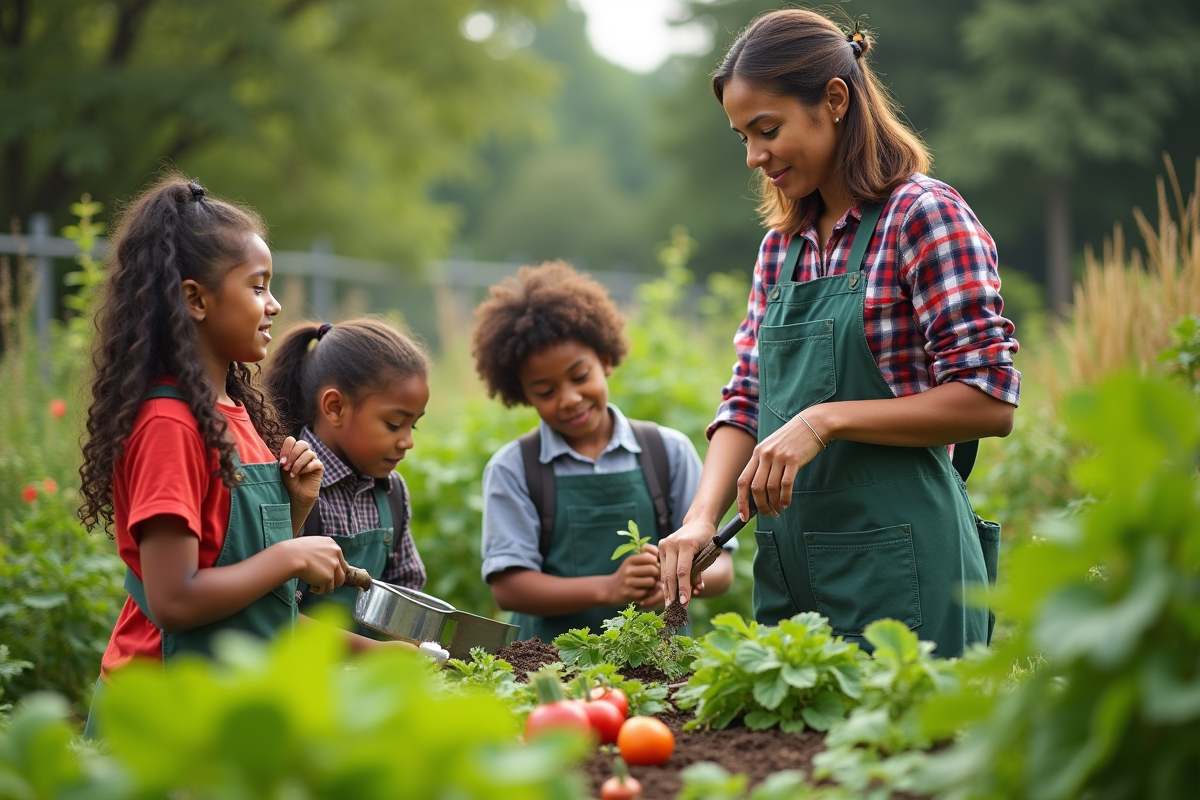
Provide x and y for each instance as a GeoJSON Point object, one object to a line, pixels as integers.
{"type": "Point", "coordinates": [635, 543]}
{"type": "Point", "coordinates": [710, 781]}
{"type": "Point", "coordinates": [795, 675]}
{"type": "Point", "coordinates": [645, 699]}
{"type": "Point", "coordinates": [631, 638]}
{"type": "Point", "coordinates": [1182, 358]}
{"type": "Point", "coordinates": [1108, 598]}
{"type": "Point", "coordinates": [9, 669]}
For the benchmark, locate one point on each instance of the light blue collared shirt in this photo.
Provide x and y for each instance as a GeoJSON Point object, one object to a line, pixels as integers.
{"type": "Point", "coordinates": [511, 527]}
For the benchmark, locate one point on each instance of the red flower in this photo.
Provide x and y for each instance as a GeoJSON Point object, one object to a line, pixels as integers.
{"type": "Point", "coordinates": [58, 409]}
{"type": "Point", "coordinates": [50, 485]}
{"type": "Point", "coordinates": [29, 493]}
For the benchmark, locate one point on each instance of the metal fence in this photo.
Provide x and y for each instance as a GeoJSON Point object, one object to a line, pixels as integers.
{"type": "Point", "coordinates": [435, 301]}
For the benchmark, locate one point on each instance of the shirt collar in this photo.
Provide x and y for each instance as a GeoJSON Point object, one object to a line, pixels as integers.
{"type": "Point", "coordinates": [336, 470]}
{"type": "Point", "coordinates": [554, 445]}
{"type": "Point", "coordinates": [808, 228]}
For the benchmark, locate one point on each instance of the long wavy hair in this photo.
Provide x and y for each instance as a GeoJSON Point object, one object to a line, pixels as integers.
{"type": "Point", "coordinates": [356, 357]}
{"type": "Point", "coordinates": [795, 53]}
{"type": "Point", "coordinates": [174, 231]}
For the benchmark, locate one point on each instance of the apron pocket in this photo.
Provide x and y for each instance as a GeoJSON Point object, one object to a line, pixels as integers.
{"type": "Point", "coordinates": [865, 576]}
{"type": "Point", "coordinates": [989, 542]}
{"type": "Point", "coordinates": [773, 599]}
{"type": "Point", "coordinates": [592, 533]}
{"type": "Point", "coordinates": [277, 527]}
{"type": "Point", "coordinates": [785, 352]}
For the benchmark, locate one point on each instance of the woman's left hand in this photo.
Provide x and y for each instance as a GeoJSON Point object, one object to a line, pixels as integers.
{"type": "Point", "coordinates": [302, 471]}
{"type": "Point", "coordinates": [772, 468]}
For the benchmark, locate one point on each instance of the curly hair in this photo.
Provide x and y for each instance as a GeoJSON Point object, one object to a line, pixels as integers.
{"type": "Point", "coordinates": [539, 308]}
{"type": "Point", "coordinates": [356, 357]}
{"type": "Point", "coordinates": [174, 231]}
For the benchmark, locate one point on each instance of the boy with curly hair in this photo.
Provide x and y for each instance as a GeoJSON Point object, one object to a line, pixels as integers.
{"type": "Point", "coordinates": [555, 498]}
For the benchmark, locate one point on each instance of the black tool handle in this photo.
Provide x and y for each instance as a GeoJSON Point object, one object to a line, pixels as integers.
{"type": "Point", "coordinates": [731, 528]}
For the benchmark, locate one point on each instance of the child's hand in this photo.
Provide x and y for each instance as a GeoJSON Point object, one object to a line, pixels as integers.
{"type": "Point", "coordinates": [320, 562]}
{"type": "Point", "coordinates": [636, 578]}
{"type": "Point", "coordinates": [302, 471]}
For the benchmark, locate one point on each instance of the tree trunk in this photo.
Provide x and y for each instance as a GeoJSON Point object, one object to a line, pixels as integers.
{"type": "Point", "coordinates": [1059, 279]}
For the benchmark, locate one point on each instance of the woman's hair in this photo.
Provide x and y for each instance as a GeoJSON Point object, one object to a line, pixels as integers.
{"type": "Point", "coordinates": [174, 231]}
{"type": "Point", "coordinates": [541, 307]}
{"type": "Point", "coordinates": [795, 53]}
{"type": "Point", "coordinates": [356, 357]}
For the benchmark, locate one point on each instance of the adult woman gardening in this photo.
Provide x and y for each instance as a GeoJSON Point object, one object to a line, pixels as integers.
{"type": "Point", "coordinates": [873, 340]}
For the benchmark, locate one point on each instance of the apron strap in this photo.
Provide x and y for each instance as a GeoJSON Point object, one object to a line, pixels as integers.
{"type": "Point", "coordinates": [858, 250]}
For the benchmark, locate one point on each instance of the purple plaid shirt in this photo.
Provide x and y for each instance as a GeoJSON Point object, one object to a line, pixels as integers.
{"type": "Point", "coordinates": [932, 311]}
{"type": "Point", "coordinates": [346, 504]}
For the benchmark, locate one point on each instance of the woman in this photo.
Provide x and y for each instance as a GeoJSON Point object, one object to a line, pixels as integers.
{"type": "Point", "coordinates": [874, 339]}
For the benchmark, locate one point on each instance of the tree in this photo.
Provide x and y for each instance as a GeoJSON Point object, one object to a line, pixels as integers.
{"type": "Point", "coordinates": [330, 116]}
{"type": "Point", "coordinates": [1055, 91]}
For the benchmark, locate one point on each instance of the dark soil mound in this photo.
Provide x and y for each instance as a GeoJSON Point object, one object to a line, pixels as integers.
{"type": "Point", "coordinates": [676, 616]}
{"type": "Point", "coordinates": [528, 656]}
{"type": "Point", "coordinates": [644, 673]}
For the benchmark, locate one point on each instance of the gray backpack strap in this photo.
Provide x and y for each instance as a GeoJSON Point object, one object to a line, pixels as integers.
{"type": "Point", "coordinates": [397, 498]}
{"type": "Point", "coordinates": [539, 478]}
{"type": "Point", "coordinates": [655, 469]}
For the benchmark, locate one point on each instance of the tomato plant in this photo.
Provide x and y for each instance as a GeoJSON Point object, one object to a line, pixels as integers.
{"type": "Point", "coordinates": [555, 712]}
{"type": "Point", "coordinates": [621, 786]}
{"type": "Point", "coordinates": [645, 740]}
{"type": "Point", "coordinates": [631, 638]}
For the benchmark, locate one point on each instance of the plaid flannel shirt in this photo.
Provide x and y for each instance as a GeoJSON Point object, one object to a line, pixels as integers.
{"type": "Point", "coordinates": [932, 310]}
{"type": "Point", "coordinates": [346, 504]}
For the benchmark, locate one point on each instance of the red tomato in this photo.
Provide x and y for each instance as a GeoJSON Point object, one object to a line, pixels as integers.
{"type": "Point", "coordinates": [621, 789]}
{"type": "Point", "coordinates": [606, 720]}
{"type": "Point", "coordinates": [645, 740]}
{"type": "Point", "coordinates": [614, 696]}
{"type": "Point", "coordinates": [565, 715]}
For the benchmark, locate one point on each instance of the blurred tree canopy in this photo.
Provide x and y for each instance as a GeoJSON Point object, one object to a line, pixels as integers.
{"type": "Point", "coordinates": [332, 117]}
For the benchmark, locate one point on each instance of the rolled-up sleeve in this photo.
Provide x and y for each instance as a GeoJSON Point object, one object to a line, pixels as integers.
{"type": "Point", "coordinates": [511, 528]}
{"type": "Point", "coordinates": [948, 262]}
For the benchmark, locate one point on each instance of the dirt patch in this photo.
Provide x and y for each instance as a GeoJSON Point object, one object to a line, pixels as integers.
{"type": "Point", "coordinates": [528, 656]}
{"type": "Point", "coordinates": [676, 616]}
{"type": "Point", "coordinates": [645, 673]}
{"type": "Point", "coordinates": [757, 754]}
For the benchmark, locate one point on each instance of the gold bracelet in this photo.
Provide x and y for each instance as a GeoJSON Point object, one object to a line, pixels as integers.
{"type": "Point", "coordinates": [814, 432]}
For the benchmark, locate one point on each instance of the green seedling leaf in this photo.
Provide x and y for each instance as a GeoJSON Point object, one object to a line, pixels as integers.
{"type": "Point", "coordinates": [635, 543]}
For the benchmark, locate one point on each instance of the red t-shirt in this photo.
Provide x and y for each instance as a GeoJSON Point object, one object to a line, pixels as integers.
{"type": "Point", "coordinates": [166, 469]}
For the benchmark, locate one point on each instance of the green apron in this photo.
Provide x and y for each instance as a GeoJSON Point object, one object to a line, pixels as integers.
{"type": "Point", "coordinates": [367, 550]}
{"type": "Point", "coordinates": [586, 521]}
{"type": "Point", "coordinates": [873, 531]}
{"type": "Point", "coordinates": [260, 515]}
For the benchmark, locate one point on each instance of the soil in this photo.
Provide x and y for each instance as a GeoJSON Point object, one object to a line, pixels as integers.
{"type": "Point", "coordinates": [676, 616]}
{"type": "Point", "coordinates": [528, 656]}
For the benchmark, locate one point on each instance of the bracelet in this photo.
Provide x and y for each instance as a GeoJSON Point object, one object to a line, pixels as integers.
{"type": "Point", "coordinates": [814, 432]}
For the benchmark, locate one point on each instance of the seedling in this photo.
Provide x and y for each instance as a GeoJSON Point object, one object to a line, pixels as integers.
{"type": "Point", "coordinates": [635, 543]}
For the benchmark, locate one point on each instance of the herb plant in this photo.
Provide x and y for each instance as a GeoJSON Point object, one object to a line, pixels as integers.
{"type": "Point", "coordinates": [795, 675]}
{"type": "Point", "coordinates": [629, 639]}
{"type": "Point", "coordinates": [635, 543]}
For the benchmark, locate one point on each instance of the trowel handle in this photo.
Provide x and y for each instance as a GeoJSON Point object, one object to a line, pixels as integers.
{"type": "Point", "coordinates": [711, 551]}
{"type": "Point", "coordinates": [358, 578]}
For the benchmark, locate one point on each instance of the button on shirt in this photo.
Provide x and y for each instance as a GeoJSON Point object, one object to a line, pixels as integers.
{"type": "Point", "coordinates": [932, 307]}
{"type": "Point", "coordinates": [346, 504]}
{"type": "Point", "coordinates": [511, 525]}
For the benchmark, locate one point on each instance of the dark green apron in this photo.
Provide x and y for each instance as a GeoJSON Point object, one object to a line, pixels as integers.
{"type": "Point", "coordinates": [260, 515]}
{"type": "Point", "coordinates": [367, 550]}
{"type": "Point", "coordinates": [873, 531]}
{"type": "Point", "coordinates": [586, 521]}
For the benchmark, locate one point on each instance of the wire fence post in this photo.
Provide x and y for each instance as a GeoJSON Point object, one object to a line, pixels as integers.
{"type": "Point", "coordinates": [322, 279]}
{"type": "Point", "coordinates": [39, 231]}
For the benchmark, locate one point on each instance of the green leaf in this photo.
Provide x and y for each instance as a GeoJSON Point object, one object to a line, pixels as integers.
{"type": "Point", "coordinates": [753, 657]}
{"type": "Point", "coordinates": [761, 720]}
{"type": "Point", "coordinates": [892, 640]}
{"type": "Point", "coordinates": [635, 544]}
{"type": "Point", "coordinates": [770, 691]}
{"type": "Point", "coordinates": [799, 677]}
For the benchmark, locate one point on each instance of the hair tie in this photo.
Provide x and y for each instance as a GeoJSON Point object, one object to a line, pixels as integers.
{"type": "Point", "coordinates": [198, 191]}
{"type": "Point", "coordinates": [324, 329]}
{"type": "Point", "coordinates": [857, 48]}
{"type": "Point", "coordinates": [858, 38]}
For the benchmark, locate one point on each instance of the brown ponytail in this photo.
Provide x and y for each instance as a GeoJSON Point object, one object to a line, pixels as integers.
{"type": "Point", "coordinates": [796, 52]}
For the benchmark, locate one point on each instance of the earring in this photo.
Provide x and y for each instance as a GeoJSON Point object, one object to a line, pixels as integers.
{"type": "Point", "coordinates": [836, 120]}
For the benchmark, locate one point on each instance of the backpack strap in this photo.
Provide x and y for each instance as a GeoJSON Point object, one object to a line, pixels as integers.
{"type": "Point", "coordinates": [312, 523]}
{"type": "Point", "coordinates": [397, 498]}
{"type": "Point", "coordinates": [539, 478]}
{"type": "Point", "coordinates": [655, 468]}
{"type": "Point", "coordinates": [964, 457]}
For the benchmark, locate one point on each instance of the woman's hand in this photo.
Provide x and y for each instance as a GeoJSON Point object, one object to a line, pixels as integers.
{"type": "Point", "coordinates": [676, 554]}
{"type": "Point", "coordinates": [635, 580]}
{"type": "Point", "coordinates": [771, 471]}
{"type": "Point", "coordinates": [302, 471]}
{"type": "Point", "coordinates": [320, 562]}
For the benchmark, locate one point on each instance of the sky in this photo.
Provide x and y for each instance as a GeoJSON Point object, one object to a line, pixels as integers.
{"type": "Point", "coordinates": [636, 33]}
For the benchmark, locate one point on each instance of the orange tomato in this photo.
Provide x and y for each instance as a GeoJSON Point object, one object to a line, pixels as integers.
{"type": "Point", "coordinates": [645, 740]}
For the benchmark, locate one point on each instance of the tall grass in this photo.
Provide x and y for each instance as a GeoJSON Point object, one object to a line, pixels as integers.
{"type": "Point", "coordinates": [1128, 301]}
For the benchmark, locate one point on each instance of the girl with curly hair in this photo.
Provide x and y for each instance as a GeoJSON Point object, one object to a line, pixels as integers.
{"type": "Point", "coordinates": [184, 456]}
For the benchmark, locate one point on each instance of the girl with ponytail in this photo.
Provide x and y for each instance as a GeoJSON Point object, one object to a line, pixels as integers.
{"type": "Point", "coordinates": [874, 340]}
{"type": "Point", "coordinates": [184, 456]}
{"type": "Point", "coordinates": [354, 391]}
